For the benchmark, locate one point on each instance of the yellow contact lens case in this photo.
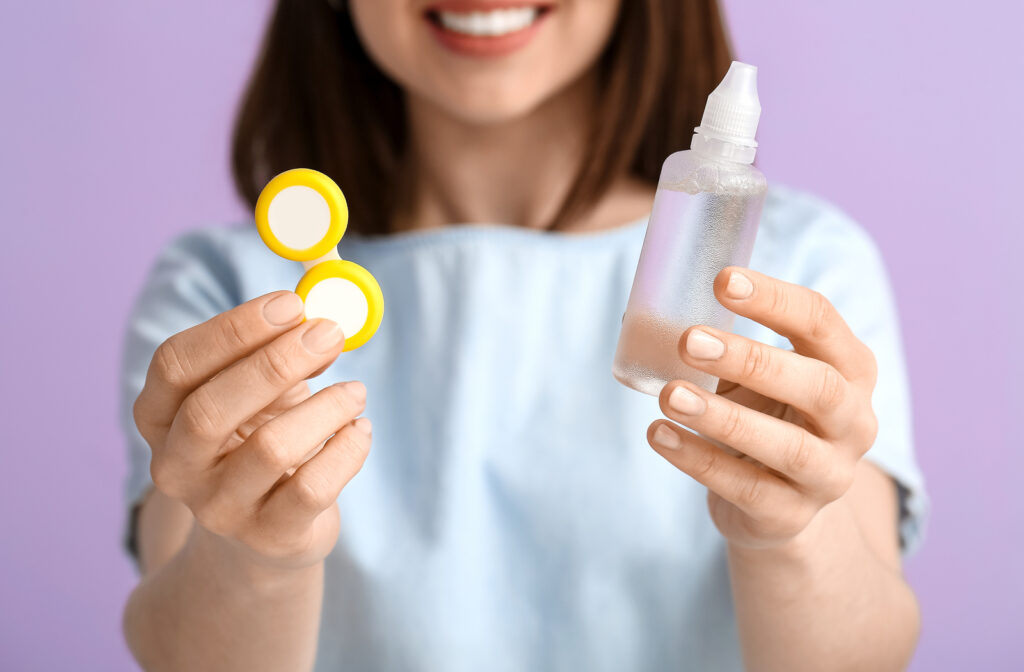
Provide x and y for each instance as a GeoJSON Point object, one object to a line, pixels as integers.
{"type": "Point", "coordinates": [301, 215]}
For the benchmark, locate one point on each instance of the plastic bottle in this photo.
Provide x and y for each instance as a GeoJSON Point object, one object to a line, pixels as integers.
{"type": "Point", "coordinates": [705, 216]}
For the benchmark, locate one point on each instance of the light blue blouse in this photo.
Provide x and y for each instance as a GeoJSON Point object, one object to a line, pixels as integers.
{"type": "Point", "coordinates": [511, 515]}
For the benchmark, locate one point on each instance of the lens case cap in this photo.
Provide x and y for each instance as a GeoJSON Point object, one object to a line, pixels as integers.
{"type": "Point", "coordinates": [302, 215]}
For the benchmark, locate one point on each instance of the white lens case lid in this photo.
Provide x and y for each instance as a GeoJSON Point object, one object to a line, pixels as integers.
{"type": "Point", "coordinates": [299, 216]}
{"type": "Point", "coordinates": [341, 301]}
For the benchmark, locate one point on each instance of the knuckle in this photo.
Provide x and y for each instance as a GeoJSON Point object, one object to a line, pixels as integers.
{"type": "Point", "coordinates": [170, 363]}
{"type": "Point", "coordinates": [220, 513]}
{"type": "Point", "coordinates": [139, 412]}
{"type": "Point", "coordinates": [732, 428]}
{"type": "Point", "coordinates": [158, 473]}
{"type": "Point", "coordinates": [778, 301]}
{"type": "Point", "coordinates": [798, 457]}
{"type": "Point", "coordinates": [233, 332]}
{"type": "Point", "coordinates": [831, 390]}
{"type": "Point", "coordinates": [164, 477]}
{"type": "Point", "coordinates": [705, 463]}
{"type": "Point", "coordinates": [269, 449]}
{"type": "Point", "coordinates": [275, 367]}
{"type": "Point", "coordinates": [757, 363]}
{"type": "Point", "coordinates": [355, 448]}
{"type": "Point", "coordinates": [343, 402]}
{"type": "Point", "coordinates": [869, 430]}
{"type": "Point", "coordinates": [310, 492]}
{"type": "Point", "coordinates": [750, 492]}
{"type": "Point", "coordinates": [820, 315]}
{"type": "Point", "coordinates": [871, 364]}
{"type": "Point", "coordinates": [200, 417]}
{"type": "Point", "coordinates": [836, 482]}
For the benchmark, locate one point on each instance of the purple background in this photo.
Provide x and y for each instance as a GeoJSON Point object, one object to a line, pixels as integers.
{"type": "Point", "coordinates": [113, 138]}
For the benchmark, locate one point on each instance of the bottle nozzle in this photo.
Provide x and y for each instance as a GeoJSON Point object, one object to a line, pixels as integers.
{"type": "Point", "coordinates": [733, 109]}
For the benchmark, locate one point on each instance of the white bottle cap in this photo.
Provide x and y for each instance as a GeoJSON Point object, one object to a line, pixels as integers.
{"type": "Point", "coordinates": [733, 109]}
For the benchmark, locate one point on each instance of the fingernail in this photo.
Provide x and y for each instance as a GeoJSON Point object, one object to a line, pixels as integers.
{"type": "Point", "coordinates": [682, 400]}
{"type": "Point", "coordinates": [739, 287]}
{"type": "Point", "coordinates": [324, 336]}
{"type": "Point", "coordinates": [363, 425]}
{"type": "Point", "coordinates": [666, 438]}
{"type": "Point", "coordinates": [283, 309]}
{"type": "Point", "coordinates": [355, 389]}
{"type": "Point", "coordinates": [702, 345]}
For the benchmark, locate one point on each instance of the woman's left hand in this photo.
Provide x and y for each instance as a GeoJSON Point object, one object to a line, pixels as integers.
{"type": "Point", "coordinates": [782, 438]}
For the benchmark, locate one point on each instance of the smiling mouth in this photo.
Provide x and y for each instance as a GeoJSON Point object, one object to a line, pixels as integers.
{"type": "Point", "coordinates": [493, 23]}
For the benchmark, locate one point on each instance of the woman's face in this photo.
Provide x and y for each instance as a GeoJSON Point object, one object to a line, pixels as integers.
{"type": "Point", "coordinates": [484, 61]}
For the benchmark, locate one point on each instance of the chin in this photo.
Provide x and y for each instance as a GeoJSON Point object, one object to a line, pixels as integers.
{"type": "Point", "coordinates": [471, 104]}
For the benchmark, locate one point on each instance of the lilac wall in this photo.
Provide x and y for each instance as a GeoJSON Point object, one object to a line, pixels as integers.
{"type": "Point", "coordinates": [113, 138]}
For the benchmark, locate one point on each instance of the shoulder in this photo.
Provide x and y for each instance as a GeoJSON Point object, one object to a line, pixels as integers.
{"type": "Point", "coordinates": [806, 240]}
{"type": "Point", "coordinates": [223, 255]}
{"type": "Point", "coordinates": [803, 236]}
{"type": "Point", "coordinates": [213, 246]}
{"type": "Point", "coordinates": [204, 270]}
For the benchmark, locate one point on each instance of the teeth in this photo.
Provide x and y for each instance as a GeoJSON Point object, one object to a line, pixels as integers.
{"type": "Point", "coordinates": [489, 24]}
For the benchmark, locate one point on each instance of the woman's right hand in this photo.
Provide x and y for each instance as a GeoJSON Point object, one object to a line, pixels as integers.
{"type": "Point", "coordinates": [237, 437]}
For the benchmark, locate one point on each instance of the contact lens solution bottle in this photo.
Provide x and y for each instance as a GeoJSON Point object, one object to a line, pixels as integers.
{"type": "Point", "coordinates": [705, 216]}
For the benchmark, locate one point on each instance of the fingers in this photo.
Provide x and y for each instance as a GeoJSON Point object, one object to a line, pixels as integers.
{"type": "Point", "coordinates": [750, 488]}
{"type": "Point", "coordinates": [805, 317]}
{"type": "Point", "coordinates": [248, 473]}
{"type": "Point", "coordinates": [812, 464]}
{"type": "Point", "coordinates": [188, 359]}
{"type": "Point", "coordinates": [813, 387]}
{"type": "Point", "coordinates": [316, 484]}
{"type": "Point", "coordinates": [210, 414]}
{"type": "Point", "coordinates": [293, 397]}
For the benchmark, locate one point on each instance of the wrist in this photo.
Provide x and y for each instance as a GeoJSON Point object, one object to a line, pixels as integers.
{"type": "Point", "coordinates": [797, 549]}
{"type": "Point", "coordinates": [235, 564]}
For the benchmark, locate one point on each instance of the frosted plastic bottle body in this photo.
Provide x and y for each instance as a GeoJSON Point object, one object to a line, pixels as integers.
{"type": "Point", "coordinates": [704, 218]}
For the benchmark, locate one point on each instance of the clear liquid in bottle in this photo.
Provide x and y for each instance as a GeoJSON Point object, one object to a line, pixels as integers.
{"type": "Point", "coordinates": [704, 218]}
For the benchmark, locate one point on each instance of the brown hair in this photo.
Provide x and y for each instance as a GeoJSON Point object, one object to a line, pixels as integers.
{"type": "Point", "coordinates": [317, 100]}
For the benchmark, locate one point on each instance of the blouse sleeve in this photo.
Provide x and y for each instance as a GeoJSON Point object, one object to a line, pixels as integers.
{"type": "Point", "coordinates": [189, 283]}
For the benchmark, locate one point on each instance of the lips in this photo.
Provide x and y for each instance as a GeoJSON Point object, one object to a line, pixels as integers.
{"type": "Point", "coordinates": [485, 29]}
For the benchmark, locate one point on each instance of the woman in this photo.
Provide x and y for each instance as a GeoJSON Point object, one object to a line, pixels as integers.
{"type": "Point", "coordinates": [510, 517]}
